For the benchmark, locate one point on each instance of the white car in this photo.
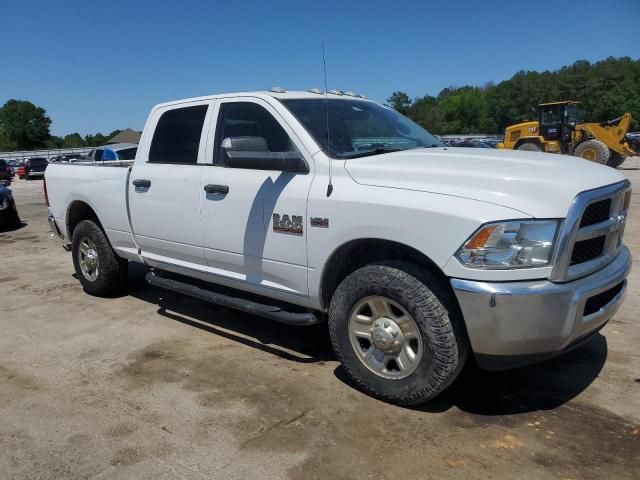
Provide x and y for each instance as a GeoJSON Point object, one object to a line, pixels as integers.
{"type": "Point", "coordinates": [337, 208]}
{"type": "Point", "coordinates": [109, 153]}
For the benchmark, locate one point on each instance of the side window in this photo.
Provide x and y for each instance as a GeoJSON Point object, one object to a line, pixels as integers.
{"type": "Point", "coordinates": [254, 125]}
{"type": "Point", "coordinates": [109, 154]}
{"type": "Point", "coordinates": [177, 135]}
{"type": "Point", "coordinates": [127, 153]}
{"type": "Point", "coordinates": [98, 157]}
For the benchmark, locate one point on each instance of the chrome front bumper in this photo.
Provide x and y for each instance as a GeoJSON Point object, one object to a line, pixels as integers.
{"type": "Point", "coordinates": [516, 323]}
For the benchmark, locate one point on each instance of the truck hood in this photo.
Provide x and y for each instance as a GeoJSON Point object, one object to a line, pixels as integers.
{"type": "Point", "coordinates": [540, 185]}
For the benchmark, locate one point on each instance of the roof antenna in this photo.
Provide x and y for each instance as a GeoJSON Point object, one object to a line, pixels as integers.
{"type": "Point", "coordinates": [326, 108]}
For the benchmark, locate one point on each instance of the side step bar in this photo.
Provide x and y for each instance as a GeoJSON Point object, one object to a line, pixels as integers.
{"type": "Point", "coordinates": [268, 311]}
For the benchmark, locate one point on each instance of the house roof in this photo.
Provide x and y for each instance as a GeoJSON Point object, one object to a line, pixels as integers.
{"type": "Point", "coordinates": [126, 136]}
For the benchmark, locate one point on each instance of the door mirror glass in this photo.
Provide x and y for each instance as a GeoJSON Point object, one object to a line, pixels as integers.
{"type": "Point", "coordinates": [252, 153]}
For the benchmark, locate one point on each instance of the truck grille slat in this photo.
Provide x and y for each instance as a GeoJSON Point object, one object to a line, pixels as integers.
{"type": "Point", "coordinates": [587, 250]}
{"type": "Point", "coordinates": [596, 212]}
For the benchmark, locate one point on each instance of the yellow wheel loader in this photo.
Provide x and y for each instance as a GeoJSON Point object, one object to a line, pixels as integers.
{"type": "Point", "coordinates": [560, 129]}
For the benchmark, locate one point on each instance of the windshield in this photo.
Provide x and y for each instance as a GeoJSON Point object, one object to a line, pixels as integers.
{"type": "Point", "coordinates": [573, 114]}
{"type": "Point", "coordinates": [358, 128]}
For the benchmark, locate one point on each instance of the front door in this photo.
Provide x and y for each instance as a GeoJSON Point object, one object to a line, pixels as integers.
{"type": "Point", "coordinates": [254, 221]}
{"type": "Point", "coordinates": [164, 187]}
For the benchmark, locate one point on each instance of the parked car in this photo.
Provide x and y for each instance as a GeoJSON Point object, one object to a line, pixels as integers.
{"type": "Point", "coordinates": [64, 158]}
{"type": "Point", "coordinates": [469, 144]}
{"type": "Point", "coordinates": [14, 164]}
{"type": "Point", "coordinates": [634, 140]}
{"type": "Point", "coordinates": [418, 255]}
{"type": "Point", "coordinates": [8, 212]}
{"type": "Point", "coordinates": [490, 142]}
{"type": "Point", "coordinates": [34, 168]}
{"type": "Point", "coordinates": [6, 172]}
{"type": "Point", "coordinates": [110, 153]}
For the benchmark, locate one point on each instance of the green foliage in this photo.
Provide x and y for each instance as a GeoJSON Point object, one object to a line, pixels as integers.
{"type": "Point", "coordinates": [607, 89]}
{"type": "Point", "coordinates": [73, 140]}
{"type": "Point", "coordinates": [95, 140]}
{"type": "Point", "coordinates": [399, 101]}
{"type": "Point", "coordinates": [23, 126]}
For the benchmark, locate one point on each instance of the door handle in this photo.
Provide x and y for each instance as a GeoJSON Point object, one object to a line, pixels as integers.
{"type": "Point", "coordinates": [223, 189]}
{"type": "Point", "coordinates": [142, 183]}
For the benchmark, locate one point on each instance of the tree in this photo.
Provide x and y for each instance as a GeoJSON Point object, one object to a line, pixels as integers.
{"type": "Point", "coordinates": [399, 101]}
{"type": "Point", "coordinates": [23, 126]}
{"type": "Point", "coordinates": [73, 140]}
{"type": "Point", "coordinates": [95, 140]}
{"type": "Point", "coordinates": [607, 89]}
{"type": "Point", "coordinates": [54, 142]}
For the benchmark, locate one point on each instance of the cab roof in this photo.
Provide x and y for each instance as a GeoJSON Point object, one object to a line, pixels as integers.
{"type": "Point", "coordinates": [280, 95]}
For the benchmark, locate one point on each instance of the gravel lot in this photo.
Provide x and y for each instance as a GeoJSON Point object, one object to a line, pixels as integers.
{"type": "Point", "coordinates": [154, 385]}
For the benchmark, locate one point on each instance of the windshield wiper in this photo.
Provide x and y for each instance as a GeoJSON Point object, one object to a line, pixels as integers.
{"type": "Point", "coordinates": [374, 151]}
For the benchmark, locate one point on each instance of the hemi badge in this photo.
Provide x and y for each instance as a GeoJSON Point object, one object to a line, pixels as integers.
{"type": "Point", "coordinates": [320, 222]}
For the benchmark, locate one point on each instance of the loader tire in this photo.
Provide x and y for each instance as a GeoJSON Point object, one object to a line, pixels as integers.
{"type": "Point", "coordinates": [594, 151]}
{"type": "Point", "coordinates": [529, 147]}
{"type": "Point", "coordinates": [616, 159]}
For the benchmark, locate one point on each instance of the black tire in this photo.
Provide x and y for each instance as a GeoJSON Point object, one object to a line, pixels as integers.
{"type": "Point", "coordinates": [425, 298]}
{"type": "Point", "coordinates": [16, 222]}
{"type": "Point", "coordinates": [616, 159]}
{"type": "Point", "coordinates": [111, 270]}
{"type": "Point", "coordinates": [529, 147]}
{"type": "Point", "coordinates": [594, 151]}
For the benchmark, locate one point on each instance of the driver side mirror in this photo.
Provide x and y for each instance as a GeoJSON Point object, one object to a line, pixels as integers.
{"type": "Point", "coordinates": [253, 153]}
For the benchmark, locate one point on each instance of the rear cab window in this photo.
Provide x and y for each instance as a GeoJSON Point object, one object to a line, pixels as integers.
{"type": "Point", "coordinates": [38, 162]}
{"type": "Point", "coordinates": [177, 135]}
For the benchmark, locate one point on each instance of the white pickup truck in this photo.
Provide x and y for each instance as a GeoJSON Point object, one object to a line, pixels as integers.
{"type": "Point", "coordinates": [310, 207]}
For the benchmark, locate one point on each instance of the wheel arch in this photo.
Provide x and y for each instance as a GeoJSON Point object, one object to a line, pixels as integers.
{"type": "Point", "coordinates": [357, 253]}
{"type": "Point", "coordinates": [523, 140]}
{"type": "Point", "coordinates": [78, 211]}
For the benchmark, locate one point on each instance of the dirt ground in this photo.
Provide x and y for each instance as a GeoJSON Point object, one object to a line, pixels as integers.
{"type": "Point", "coordinates": [154, 385]}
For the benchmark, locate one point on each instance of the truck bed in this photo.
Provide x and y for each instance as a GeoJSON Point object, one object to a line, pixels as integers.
{"type": "Point", "coordinates": [100, 185]}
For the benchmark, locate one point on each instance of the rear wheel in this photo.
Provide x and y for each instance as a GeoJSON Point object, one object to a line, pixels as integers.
{"type": "Point", "coordinates": [100, 271]}
{"type": "Point", "coordinates": [616, 159]}
{"type": "Point", "coordinates": [397, 333]}
{"type": "Point", "coordinates": [594, 151]}
{"type": "Point", "coordinates": [529, 147]}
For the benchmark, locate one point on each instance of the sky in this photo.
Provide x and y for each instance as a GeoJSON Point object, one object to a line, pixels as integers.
{"type": "Point", "coordinates": [97, 66]}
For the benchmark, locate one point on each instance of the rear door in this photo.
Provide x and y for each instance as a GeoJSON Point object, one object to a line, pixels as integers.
{"type": "Point", "coordinates": [255, 232]}
{"type": "Point", "coordinates": [164, 186]}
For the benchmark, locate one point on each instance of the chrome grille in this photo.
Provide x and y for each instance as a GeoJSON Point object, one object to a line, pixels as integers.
{"type": "Point", "coordinates": [587, 250]}
{"type": "Point", "coordinates": [596, 212]}
{"type": "Point", "coordinates": [591, 235]}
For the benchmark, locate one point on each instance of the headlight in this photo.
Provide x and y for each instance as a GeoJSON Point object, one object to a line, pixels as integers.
{"type": "Point", "coordinates": [515, 244]}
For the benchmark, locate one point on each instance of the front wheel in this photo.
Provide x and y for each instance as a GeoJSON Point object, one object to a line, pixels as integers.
{"type": "Point", "coordinates": [529, 147]}
{"type": "Point", "coordinates": [397, 333]}
{"type": "Point", "coordinates": [100, 271]}
{"type": "Point", "coordinates": [594, 151]}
